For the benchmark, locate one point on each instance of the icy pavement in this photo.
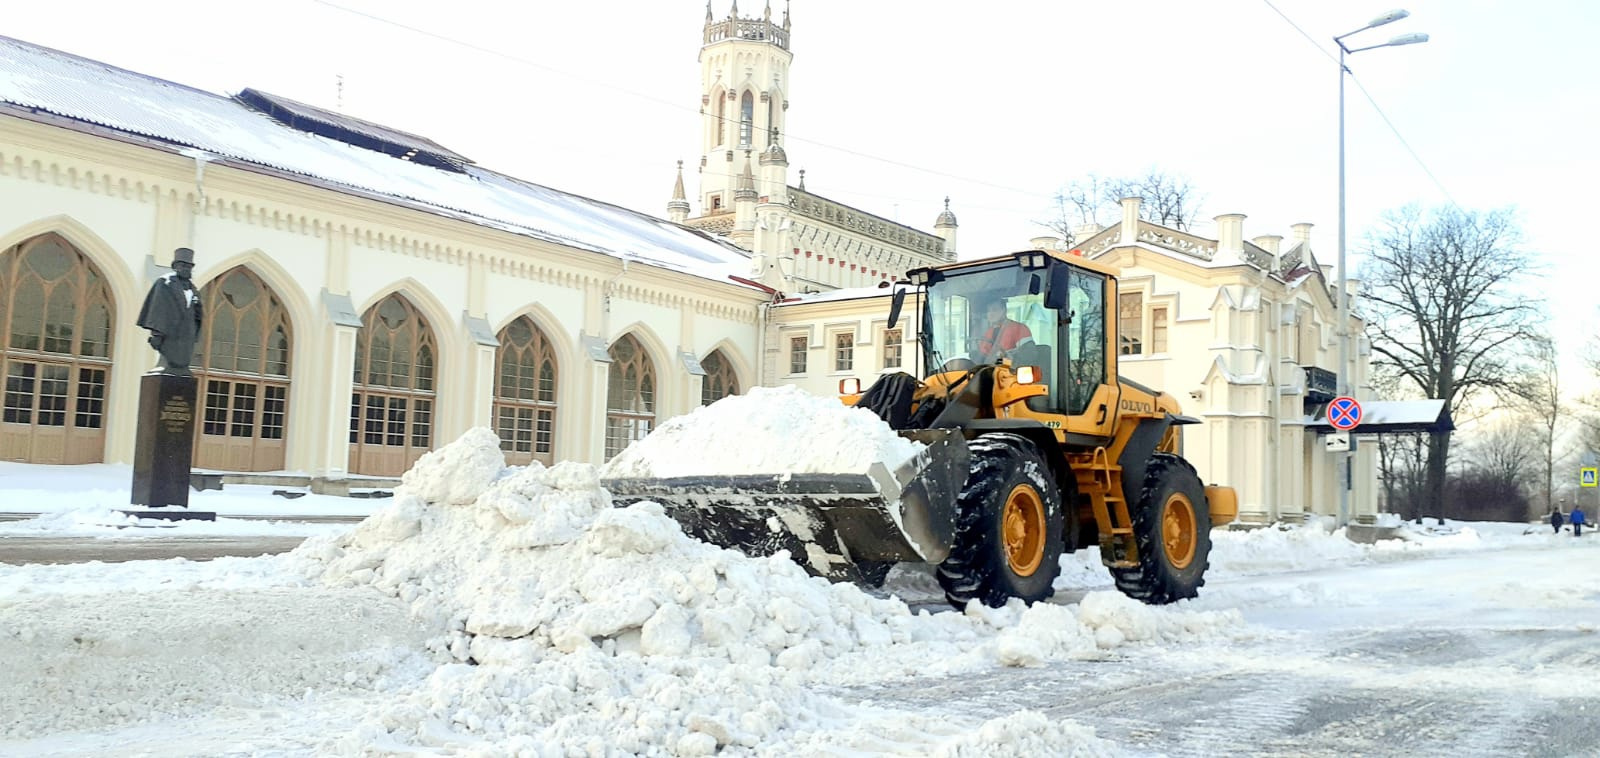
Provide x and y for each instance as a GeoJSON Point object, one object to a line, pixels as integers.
{"type": "Point", "coordinates": [1490, 653]}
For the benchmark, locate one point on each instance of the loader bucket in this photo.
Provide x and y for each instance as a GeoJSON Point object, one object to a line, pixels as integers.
{"type": "Point", "coordinates": [831, 524]}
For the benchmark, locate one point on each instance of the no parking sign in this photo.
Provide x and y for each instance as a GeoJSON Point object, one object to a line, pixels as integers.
{"type": "Point", "coordinates": [1344, 413]}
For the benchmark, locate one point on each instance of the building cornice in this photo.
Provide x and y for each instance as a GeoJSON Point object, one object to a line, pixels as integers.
{"type": "Point", "coordinates": [102, 161]}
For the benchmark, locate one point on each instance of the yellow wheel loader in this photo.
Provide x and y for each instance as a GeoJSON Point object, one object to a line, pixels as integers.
{"type": "Point", "coordinates": [1034, 446]}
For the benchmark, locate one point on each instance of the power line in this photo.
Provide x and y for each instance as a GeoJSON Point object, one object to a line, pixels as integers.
{"type": "Point", "coordinates": [1373, 101]}
{"type": "Point", "coordinates": [662, 101]}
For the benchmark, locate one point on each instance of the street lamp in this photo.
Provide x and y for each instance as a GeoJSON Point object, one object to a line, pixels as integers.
{"type": "Point", "coordinates": [1341, 305]}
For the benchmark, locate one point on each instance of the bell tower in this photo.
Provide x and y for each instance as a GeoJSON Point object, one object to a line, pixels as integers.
{"type": "Point", "coordinates": [744, 84]}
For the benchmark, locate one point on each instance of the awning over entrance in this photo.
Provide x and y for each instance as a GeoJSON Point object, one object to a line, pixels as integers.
{"type": "Point", "coordinates": [1391, 417]}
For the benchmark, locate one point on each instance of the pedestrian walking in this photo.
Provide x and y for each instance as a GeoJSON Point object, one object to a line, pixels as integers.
{"type": "Point", "coordinates": [1555, 520]}
{"type": "Point", "coordinates": [1577, 520]}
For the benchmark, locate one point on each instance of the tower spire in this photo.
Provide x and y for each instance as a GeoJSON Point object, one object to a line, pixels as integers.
{"type": "Point", "coordinates": [678, 206]}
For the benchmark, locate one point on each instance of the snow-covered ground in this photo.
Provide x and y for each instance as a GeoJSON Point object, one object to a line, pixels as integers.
{"type": "Point", "coordinates": [86, 500]}
{"type": "Point", "coordinates": [488, 610]}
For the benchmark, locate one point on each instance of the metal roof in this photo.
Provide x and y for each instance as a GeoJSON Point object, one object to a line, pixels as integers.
{"type": "Point", "coordinates": [39, 79]}
{"type": "Point", "coordinates": [294, 113]}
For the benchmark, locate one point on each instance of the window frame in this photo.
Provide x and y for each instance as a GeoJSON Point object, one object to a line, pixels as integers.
{"type": "Point", "coordinates": [803, 343]}
{"type": "Point", "coordinates": [844, 355]}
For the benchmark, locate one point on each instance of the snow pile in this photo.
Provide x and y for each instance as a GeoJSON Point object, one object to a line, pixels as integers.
{"type": "Point", "coordinates": [770, 430]}
{"type": "Point", "coordinates": [570, 624]}
{"type": "Point", "coordinates": [1276, 549]}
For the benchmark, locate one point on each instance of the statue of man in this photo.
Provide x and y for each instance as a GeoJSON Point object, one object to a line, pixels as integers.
{"type": "Point", "coordinates": [172, 314]}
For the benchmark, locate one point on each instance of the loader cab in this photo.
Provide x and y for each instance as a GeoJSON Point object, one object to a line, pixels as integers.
{"type": "Point", "coordinates": [1035, 308]}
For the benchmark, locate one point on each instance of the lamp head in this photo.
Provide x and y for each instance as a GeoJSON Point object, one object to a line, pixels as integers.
{"type": "Point", "coordinates": [1389, 18]}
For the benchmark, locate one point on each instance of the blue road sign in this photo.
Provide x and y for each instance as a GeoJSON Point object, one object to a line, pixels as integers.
{"type": "Point", "coordinates": [1344, 413]}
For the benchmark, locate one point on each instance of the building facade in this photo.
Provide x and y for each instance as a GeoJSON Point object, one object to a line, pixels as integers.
{"type": "Point", "coordinates": [1245, 335]}
{"type": "Point", "coordinates": [369, 295]}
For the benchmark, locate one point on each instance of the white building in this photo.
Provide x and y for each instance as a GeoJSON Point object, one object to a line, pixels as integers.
{"type": "Point", "coordinates": [371, 294]}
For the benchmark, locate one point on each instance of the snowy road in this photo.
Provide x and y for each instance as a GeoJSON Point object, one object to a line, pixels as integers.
{"type": "Point", "coordinates": [1458, 656]}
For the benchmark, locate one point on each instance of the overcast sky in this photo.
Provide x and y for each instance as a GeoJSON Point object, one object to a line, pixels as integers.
{"type": "Point", "coordinates": [895, 104]}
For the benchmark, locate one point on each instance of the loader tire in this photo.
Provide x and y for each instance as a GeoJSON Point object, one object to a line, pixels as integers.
{"type": "Point", "coordinates": [1008, 527]}
{"type": "Point", "coordinates": [1173, 528]}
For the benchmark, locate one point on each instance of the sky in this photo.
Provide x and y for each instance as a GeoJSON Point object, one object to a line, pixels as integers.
{"type": "Point", "coordinates": [896, 104]}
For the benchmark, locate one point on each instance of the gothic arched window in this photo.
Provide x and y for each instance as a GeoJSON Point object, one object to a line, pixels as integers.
{"type": "Point", "coordinates": [719, 120]}
{"type": "Point", "coordinates": [630, 395]}
{"type": "Point", "coordinates": [719, 381]}
{"type": "Point", "coordinates": [391, 404]}
{"type": "Point", "coordinates": [55, 353]}
{"type": "Point", "coordinates": [525, 394]}
{"type": "Point", "coordinates": [243, 374]}
{"type": "Point", "coordinates": [747, 115]}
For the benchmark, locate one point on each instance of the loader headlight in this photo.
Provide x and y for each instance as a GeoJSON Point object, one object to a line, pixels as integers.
{"type": "Point", "coordinates": [1033, 259]}
{"type": "Point", "coordinates": [851, 386]}
{"type": "Point", "coordinates": [1029, 374]}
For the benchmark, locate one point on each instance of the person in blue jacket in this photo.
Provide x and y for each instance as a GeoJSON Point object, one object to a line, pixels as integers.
{"type": "Point", "coordinates": [1577, 520]}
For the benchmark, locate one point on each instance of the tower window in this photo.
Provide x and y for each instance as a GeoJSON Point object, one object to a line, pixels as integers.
{"type": "Point", "coordinates": [747, 115]}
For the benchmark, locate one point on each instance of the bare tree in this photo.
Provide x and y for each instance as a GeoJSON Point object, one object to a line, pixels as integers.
{"type": "Point", "coordinates": [1497, 467]}
{"type": "Point", "coordinates": [1540, 390]}
{"type": "Point", "coordinates": [1444, 310]}
{"type": "Point", "coordinates": [1164, 199]}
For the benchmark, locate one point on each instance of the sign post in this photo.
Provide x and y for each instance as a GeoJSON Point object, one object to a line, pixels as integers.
{"type": "Point", "coordinates": [1344, 414]}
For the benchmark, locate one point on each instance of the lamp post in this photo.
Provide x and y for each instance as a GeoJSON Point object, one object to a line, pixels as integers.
{"type": "Point", "coordinates": [1341, 304]}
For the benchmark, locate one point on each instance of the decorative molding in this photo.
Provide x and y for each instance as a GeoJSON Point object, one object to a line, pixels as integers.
{"type": "Point", "coordinates": [1257, 257]}
{"type": "Point", "coordinates": [844, 217]}
{"type": "Point", "coordinates": [1103, 241]}
{"type": "Point", "coordinates": [548, 262]}
{"type": "Point", "coordinates": [1177, 241]}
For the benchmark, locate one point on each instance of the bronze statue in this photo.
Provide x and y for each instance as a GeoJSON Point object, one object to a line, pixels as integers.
{"type": "Point", "coordinates": [172, 314]}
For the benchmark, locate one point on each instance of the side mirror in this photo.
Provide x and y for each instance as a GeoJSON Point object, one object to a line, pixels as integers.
{"type": "Point", "coordinates": [896, 302]}
{"type": "Point", "coordinates": [1055, 291]}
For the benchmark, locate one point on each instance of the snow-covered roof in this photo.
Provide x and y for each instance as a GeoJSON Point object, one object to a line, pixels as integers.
{"type": "Point", "coordinates": [34, 78]}
{"type": "Point", "coordinates": [1387, 416]}
{"type": "Point", "coordinates": [847, 293]}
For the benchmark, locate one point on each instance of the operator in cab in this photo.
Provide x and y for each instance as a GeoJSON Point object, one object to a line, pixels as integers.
{"type": "Point", "coordinates": [1000, 334]}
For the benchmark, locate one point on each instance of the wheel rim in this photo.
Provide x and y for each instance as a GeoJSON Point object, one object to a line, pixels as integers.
{"type": "Point", "coordinates": [1022, 530]}
{"type": "Point", "coordinates": [1178, 530]}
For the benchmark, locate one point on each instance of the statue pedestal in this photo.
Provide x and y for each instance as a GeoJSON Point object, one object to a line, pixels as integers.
{"type": "Point", "coordinates": [164, 444]}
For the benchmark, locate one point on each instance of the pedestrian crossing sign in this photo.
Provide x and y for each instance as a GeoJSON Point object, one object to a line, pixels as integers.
{"type": "Point", "coordinates": [1587, 477]}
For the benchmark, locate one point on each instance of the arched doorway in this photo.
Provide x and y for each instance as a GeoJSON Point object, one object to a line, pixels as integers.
{"type": "Point", "coordinates": [630, 395]}
{"type": "Point", "coordinates": [243, 375]}
{"type": "Point", "coordinates": [525, 394]}
{"type": "Point", "coordinates": [719, 381]}
{"type": "Point", "coordinates": [56, 311]}
{"type": "Point", "coordinates": [391, 404]}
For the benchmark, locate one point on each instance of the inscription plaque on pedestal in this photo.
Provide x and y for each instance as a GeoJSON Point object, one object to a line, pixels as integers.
{"type": "Point", "coordinates": [164, 446]}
